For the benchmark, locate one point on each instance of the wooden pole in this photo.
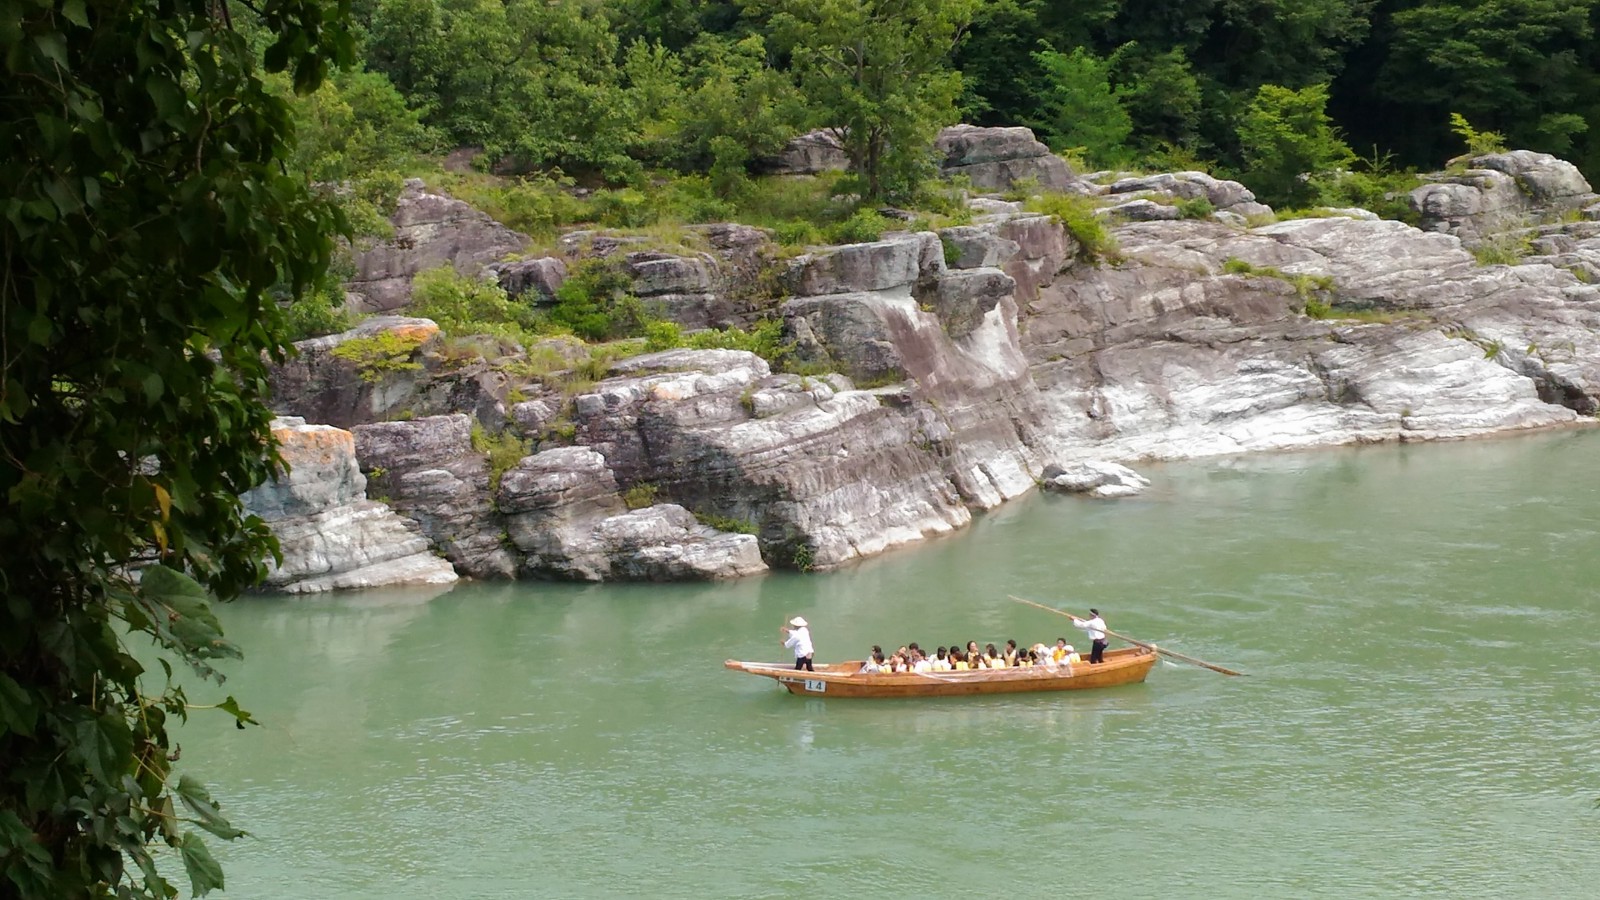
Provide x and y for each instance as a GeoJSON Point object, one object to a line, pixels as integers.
{"type": "Point", "coordinates": [1122, 637]}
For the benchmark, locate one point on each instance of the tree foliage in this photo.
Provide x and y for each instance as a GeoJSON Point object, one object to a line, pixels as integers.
{"type": "Point", "coordinates": [1078, 108]}
{"type": "Point", "coordinates": [1288, 139]}
{"type": "Point", "coordinates": [148, 218]}
{"type": "Point", "coordinates": [876, 72]}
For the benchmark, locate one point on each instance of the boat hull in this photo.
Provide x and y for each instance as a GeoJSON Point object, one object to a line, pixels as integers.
{"type": "Point", "coordinates": [845, 680]}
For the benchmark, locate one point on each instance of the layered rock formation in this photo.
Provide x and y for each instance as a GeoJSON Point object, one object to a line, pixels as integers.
{"type": "Point", "coordinates": [428, 469]}
{"type": "Point", "coordinates": [954, 369]}
{"type": "Point", "coordinates": [331, 536]}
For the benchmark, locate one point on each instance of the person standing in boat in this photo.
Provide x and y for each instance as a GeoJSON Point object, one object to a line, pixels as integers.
{"type": "Point", "coordinates": [798, 636]}
{"type": "Point", "coordinates": [1096, 629]}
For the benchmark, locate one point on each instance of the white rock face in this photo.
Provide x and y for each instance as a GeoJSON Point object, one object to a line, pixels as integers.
{"type": "Point", "coordinates": [330, 534]}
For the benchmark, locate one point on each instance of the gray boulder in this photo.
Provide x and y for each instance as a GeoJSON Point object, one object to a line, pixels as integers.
{"type": "Point", "coordinates": [565, 515]}
{"type": "Point", "coordinates": [430, 230]}
{"type": "Point", "coordinates": [538, 279]}
{"type": "Point", "coordinates": [897, 261]}
{"type": "Point", "coordinates": [1097, 478]}
{"type": "Point", "coordinates": [811, 153]}
{"type": "Point", "coordinates": [1498, 192]}
{"type": "Point", "coordinates": [995, 159]}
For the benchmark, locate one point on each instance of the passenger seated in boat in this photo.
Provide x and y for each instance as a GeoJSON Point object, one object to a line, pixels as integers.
{"type": "Point", "coordinates": [1072, 656]}
{"type": "Point", "coordinates": [874, 662]}
{"type": "Point", "coordinates": [992, 658]}
{"type": "Point", "coordinates": [958, 661]}
{"type": "Point", "coordinates": [920, 663]}
{"type": "Point", "coordinates": [1042, 656]}
{"type": "Point", "coordinates": [1011, 653]}
{"type": "Point", "coordinates": [1059, 654]}
{"type": "Point", "coordinates": [941, 661]}
{"type": "Point", "coordinates": [897, 663]}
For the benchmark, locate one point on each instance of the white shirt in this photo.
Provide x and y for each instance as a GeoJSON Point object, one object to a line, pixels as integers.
{"type": "Point", "coordinates": [1096, 627]}
{"type": "Point", "coordinates": [922, 665]}
{"type": "Point", "coordinates": [800, 640]}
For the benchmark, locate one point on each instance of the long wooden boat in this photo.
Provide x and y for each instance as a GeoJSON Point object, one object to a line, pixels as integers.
{"type": "Point", "coordinates": [1125, 665]}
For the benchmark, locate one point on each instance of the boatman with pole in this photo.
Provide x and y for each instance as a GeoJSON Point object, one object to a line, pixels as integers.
{"type": "Point", "coordinates": [799, 637]}
{"type": "Point", "coordinates": [1096, 628]}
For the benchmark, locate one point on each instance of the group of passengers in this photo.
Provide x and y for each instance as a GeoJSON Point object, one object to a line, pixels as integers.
{"type": "Point", "coordinates": [912, 658]}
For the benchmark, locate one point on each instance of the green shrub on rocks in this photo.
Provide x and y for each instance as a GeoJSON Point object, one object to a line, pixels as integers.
{"type": "Point", "coordinates": [503, 450]}
{"type": "Point", "coordinates": [1077, 215]}
{"type": "Point", "coordinates": [863, 226]}
{"type": "Point", "coordinates": [462, 306]}
{"type": "Point", "coordinates": [379, 355]}
{"type": "Point", "coordinates": [641, 495]}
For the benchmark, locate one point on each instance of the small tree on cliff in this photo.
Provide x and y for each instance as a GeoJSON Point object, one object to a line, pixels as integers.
{"type": "Point", "coordinates": [878, 72]}
{"type": "Point", "coordinates": [147, 217]}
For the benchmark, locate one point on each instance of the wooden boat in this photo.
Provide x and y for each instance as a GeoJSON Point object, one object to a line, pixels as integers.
{"type": "Point", "coordinates": [1125, 665]}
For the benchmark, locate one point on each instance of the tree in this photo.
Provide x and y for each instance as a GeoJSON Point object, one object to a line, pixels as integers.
{"type": "Point", "coordinates": [877, 72]}
{"type": "Point", "coordinates": [1286, 136]}
{"type": "Point", "coordinates": [147, 216]}
{"type": "Point", "coordinates": [1078, 107]}
{"type": "Point", "coordinates": [1518, 66]}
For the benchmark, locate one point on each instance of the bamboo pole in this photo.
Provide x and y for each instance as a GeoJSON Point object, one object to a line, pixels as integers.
{"type": "Point", "coordinates": [1122, 637]}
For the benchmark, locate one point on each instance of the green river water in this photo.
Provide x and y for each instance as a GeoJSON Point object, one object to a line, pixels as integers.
{"type": "Point", "coordinates": [1420, 625]}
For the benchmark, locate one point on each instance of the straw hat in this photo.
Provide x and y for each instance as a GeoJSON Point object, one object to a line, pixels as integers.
{"type": "Point", "coordinates": [797, 622]}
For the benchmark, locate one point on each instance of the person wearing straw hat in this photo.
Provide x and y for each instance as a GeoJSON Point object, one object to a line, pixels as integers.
{"type": "Point", "coordinates": [1096, 629]}
{"type": "Point", "coordinates": [799, 637]}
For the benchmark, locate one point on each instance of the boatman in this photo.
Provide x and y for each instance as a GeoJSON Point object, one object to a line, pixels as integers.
{"type": "Point", "coordinates": [1096, 628]}
{"type": "Point", "coordinates": [799, 637]}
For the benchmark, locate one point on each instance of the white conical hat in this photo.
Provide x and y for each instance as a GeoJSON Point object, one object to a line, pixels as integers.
{"type": "Point", "coordinates": [797, 622]}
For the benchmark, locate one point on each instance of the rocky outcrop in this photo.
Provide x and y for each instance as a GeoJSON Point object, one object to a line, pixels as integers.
{"type": "Point", "coordinates": [563, 512]}
{"type": "Point", "coordinates": [951, 365]}
{"type": "Point", "coordinates": [331, 536]}
{"type": "Point", "coordinates": [1131, 198]}
{"type": "Point", "coordinates": [812, 153]}
{"type": "Point", "coordinates": [430, 230]}
{"type": "Point", "coordinates": [1499, 192]}
{"type": "Point", "coordinates": [391, 367]}
{"type": "Point", "coordinates": [720, 286]}
{"type": "Point", "coordinates": [996, 159]}
{"type": "Point", "coordinates": [536, 278]}
{"type": "Point", "coordinates": [1168, 356]}
{"type": "Point", "coordinates": [428, 470]}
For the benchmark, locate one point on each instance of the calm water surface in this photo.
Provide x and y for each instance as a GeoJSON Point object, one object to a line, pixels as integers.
{"type": "Point", "coordinates": [1421, 626]}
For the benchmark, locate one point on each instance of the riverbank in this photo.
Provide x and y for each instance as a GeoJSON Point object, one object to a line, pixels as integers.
{"type": "Point", "coordinates": [927, 376]}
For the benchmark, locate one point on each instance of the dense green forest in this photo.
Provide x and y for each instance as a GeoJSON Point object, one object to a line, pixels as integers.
{"type": "Point", "coordinates": [606, 91]}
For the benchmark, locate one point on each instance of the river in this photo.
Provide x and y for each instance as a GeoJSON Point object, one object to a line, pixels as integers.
{"type": "Point", "coordinates": [1419, 625]}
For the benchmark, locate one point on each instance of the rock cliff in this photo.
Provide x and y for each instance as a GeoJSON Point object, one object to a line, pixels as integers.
{"type": "Point", "coordinates": [956, 370]}
{"type": "Point", "coordinates": [331, 536]}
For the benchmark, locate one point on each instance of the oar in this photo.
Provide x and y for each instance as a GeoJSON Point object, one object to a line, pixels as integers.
{"type": "Point", "coordinates": [1122, 637]}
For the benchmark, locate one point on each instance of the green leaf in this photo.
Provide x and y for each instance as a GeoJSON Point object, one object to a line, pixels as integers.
{"type": "Point", "coordinates": [105, 745]}
{"type": "Point", "coordinates": [207, 814]}
{"type": "Point", "coordinates": [242, 717]}
{"type": "Point", "coordinates": [18, 712]}
{"type": "Point", "coordinates": [204, 873]}
{"type": "Point", "coordinates": [74, 12]}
